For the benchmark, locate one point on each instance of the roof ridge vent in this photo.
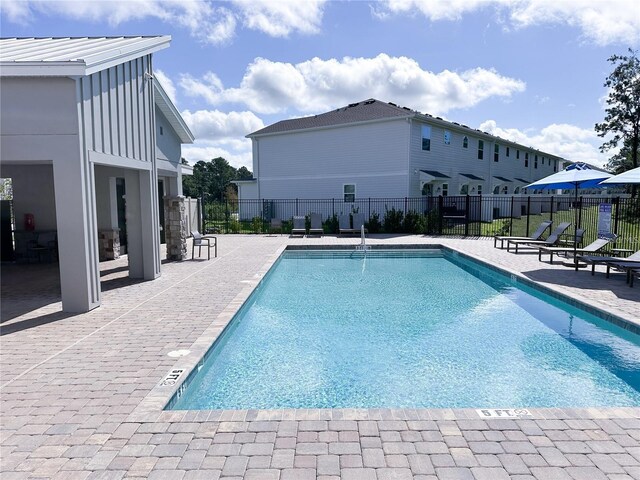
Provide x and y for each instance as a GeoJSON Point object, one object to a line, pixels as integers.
{"type": "Point", "coordinates": [351, 105]}
{"type": "Point", "coordinates": [393, 104]}
{"type": "Point", "coordinates": [369, 102]}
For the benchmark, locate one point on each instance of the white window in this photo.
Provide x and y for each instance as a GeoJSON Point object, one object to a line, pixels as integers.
{"type": "Point", "coordinates": [505, 190]}
{"type": "Point", "coordinates": [349, 190]}
{"type": "Point", "coordinates": [426, 137]}
{"type": "Point", "coordinates": [447, 137]}
{"type": "Point", "coordinates": [479, 189]}
{"type": "Point", "coordinates": [496, 190]}
{"type": "Point", "coordinates": [464, 189]}
{"type": "Point", "coordinates": [517, 190]}
{"type": "Point", "coordinates": [465, 142]}
{"type": "Point", "coordinates": [445, 189]}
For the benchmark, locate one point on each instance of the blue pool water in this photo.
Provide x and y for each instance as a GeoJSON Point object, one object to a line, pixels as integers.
{"type": "Point", "coordinates": [422, 329]}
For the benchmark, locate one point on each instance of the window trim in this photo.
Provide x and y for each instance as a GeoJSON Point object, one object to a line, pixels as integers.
{"type": "Point", "coordinates": [426, 128]}
{"type": "Point", "coordinates": [480, 149]}
{"type": "Point", "coordinates": [496, 152]}
{"type": "Point", "coordinates": [465, 142]}
{"type": "Point", "coordinates": [444, 137]}
{"type": "Point", "coordinates": [345, 193]}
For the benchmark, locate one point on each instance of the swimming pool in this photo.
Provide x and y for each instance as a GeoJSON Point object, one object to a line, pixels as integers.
{"type": "Point", "coordinates": [411, 329]}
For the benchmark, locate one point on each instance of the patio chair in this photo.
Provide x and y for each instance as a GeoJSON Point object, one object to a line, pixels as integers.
{"type": "Point", "coordinates": [344, 224]}
{"type": "Point", "coordinates": [593, 247]}
{"type": "Point", "coordinates": [275, 225]}
{"type": "Point", "coordinates": [600, 260]}
{"type": "Point", "coordinates": [299, 227]}
{"type": "Point", "coordinates": [200, 241]}
{"type": "Point", "coordinates": [316, 224]}
{"type": "Point", "coordinates": [551, 241]}
{"type": "Point", "coordinates": [537, 235]}
{"type": "Point", "coordinates": [358, 222]}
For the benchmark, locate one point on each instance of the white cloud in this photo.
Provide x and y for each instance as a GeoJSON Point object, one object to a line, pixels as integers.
{"type": "Point", "coordinates": [318, 85]}
{"type": "Point", "coordinates": [205, 151]}
{"type": "Point", "coordinates": [567, 141]}
{"type": "Point", "coordinates": [281, 18]}
{"type": "Point", "coordinates": [220, 134]}
{"type": "Point", "coordinates": [167, 84]}
{"type": "Point", "coordinates": [214, 125]}
{"type": "Point", "coordinates": [209, 21]}
{"type": "Point", "coordinates": [601, 22]}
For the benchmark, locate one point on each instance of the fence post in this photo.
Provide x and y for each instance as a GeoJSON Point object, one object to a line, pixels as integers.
{"type": "Point", "coordinates": [296, 206]}
{"type": "Point", "coordinates": [369, 208]}
{"type": "Point", "coordinates": [440, 204]}
{"type": "Point", "coordinates": [511, 217]}
{"type": "Point", "coordinates": [227, 215]}
{"type": "Point", "coordinates": [551, 210]}
{"type": "Point", "coordinates": [333, 207]}
{"type": "Point", "coordinates": [579, 207]}
{"type": "Point", "coordinates": [616, 204]}
{"type": "Point", "coordinates": [528, 214]}
{"type": "Point", "coordinates": [405, 206]}
{"type": "Point", "coordinates": [466, 216]}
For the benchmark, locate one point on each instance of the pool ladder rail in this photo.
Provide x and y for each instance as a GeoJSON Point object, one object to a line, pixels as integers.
{"type": "Point", "coordinates": [363, 244]}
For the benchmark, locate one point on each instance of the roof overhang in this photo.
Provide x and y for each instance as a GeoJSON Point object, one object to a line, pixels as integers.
{"type": "Point", "coordinates": [95, 60]}
{"type": "Point", "coordinates": [169, 110]}
{"type": "Point", "coordinates": [502, 179]}
{"type": "Point", "coordinates": [471, 176]}
{"type": "Point", "coordinates": [428, 176]}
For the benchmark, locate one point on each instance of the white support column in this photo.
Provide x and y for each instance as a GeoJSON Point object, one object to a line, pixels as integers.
{"type": "Point", "coordinates": [143, 230]}
{"type": "Point", "coordinates": [77, 234]}
{"type": "Point", "coordinates": [150, 223]}
{"type": "Point", "coordinates": [134, 226]}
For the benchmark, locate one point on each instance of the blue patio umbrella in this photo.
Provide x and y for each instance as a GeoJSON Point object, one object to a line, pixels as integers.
{"type": "Point", "coordinates": [575, 176]}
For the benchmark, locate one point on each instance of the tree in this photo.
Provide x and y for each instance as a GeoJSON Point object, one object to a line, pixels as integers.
{"type": "Point", "coordinates": [212, 179]}
{"type": "Point", "coordinates": [622, 115]}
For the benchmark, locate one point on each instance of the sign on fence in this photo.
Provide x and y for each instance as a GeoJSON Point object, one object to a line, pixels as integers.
{"type": "Point", "coordinates": [604, 219]}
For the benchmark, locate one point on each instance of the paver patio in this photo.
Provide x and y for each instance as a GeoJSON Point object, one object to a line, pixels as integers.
{"type": "Point", "coordinates": [77, 389]}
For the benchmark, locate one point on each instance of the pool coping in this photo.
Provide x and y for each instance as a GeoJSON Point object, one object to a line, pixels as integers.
{"type": "Point", "coordinates": [151, 408]}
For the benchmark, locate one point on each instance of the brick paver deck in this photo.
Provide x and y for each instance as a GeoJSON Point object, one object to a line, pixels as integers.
{"type": "Point", "coordinates": [80, 394]}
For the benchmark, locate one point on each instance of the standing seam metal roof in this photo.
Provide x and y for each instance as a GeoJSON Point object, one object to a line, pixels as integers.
{"type": "Point", "coordinates": [19, 55]}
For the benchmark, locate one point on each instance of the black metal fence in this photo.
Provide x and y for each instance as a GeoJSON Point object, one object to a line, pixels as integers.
{"type": "Point", "coordinates": [476, 216]}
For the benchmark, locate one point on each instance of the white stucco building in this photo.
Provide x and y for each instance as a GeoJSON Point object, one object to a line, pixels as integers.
{"type": "Point", "coordinates": [91, 142]}
{"type": "Point", "coordinates": [377, 149]}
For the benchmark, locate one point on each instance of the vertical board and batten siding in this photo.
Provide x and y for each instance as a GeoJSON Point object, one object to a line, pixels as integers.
{"type": "Point", "coordinates": [117, 108]}
{"type": "Point", "coordinates": [168, 144]}
{"type": "Point", "coordinates": [317, 163]}
{"type": "Point", "coordinates": [454, 159]}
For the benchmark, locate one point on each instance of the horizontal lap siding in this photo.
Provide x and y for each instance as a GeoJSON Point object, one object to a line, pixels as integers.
{"type": "Point", "coordinates": [316, 164]}
{"type": "Point", "coordinates": [453, 159]}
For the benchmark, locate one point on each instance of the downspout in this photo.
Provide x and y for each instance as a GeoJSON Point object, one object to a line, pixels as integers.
{"type": "Point", "coordinates": [409, 170]}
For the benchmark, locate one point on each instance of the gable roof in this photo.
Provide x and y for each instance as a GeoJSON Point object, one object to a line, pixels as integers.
{"type": "Point", "coordinates": [372, 110]}
{"type": "Point", "coordinates": [368, 110]}
{"type": "Point", "coordinates": [171, 113]}
{"type": "Point", "coordinates": [68, 56]}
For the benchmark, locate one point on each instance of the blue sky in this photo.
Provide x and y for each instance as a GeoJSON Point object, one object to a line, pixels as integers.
{"type": "Point", "coordinates": [528, 70]}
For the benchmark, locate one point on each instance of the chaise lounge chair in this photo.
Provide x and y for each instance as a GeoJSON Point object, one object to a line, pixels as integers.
{"type": "Point", "coordinates": [551, 241]}
{"type": "Point", "coordinates": [358, 222]}
{"type": "Point", "coordinates": [316, 224]}
{"type": "Point", "coordinates": [593, 247]}
{"type": "Point", "coordinates": [535, 236]}
{"type": "Point", "coordinates": [299, 227]}
{"type": "Point", "coordinates": [596, 260]}
{"type": "Point", "coordinates": [344, 225]}
{"type": "Point", "coordinates": [631, 268]}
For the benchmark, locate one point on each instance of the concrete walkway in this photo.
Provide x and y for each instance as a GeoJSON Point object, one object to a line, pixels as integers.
{"type": "Point", "coordinates": [79, 391]}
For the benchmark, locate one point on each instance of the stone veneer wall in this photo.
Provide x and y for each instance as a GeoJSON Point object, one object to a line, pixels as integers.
{"type": "Point", "coordinates": [109, 244]}
{"type": "Point", "coordinates": [175, 228]}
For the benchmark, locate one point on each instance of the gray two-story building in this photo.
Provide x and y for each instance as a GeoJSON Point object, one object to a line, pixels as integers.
{"type": "Point", "coordinates": [377, 149]}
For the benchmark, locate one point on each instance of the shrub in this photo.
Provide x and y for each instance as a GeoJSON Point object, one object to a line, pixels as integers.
{"type": "Point", "coordinates": [374, 225]}
{"type": "Point", "coordinates": [393, 221]}
{"type": "Point", "coordinates": [414, 222]}
{"type": "Point", "coordinates": [234, 226]}
{"type": "Point", "coordinates": [331, 225]}
{"type": "Point", "coordinates": [256, 225]}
